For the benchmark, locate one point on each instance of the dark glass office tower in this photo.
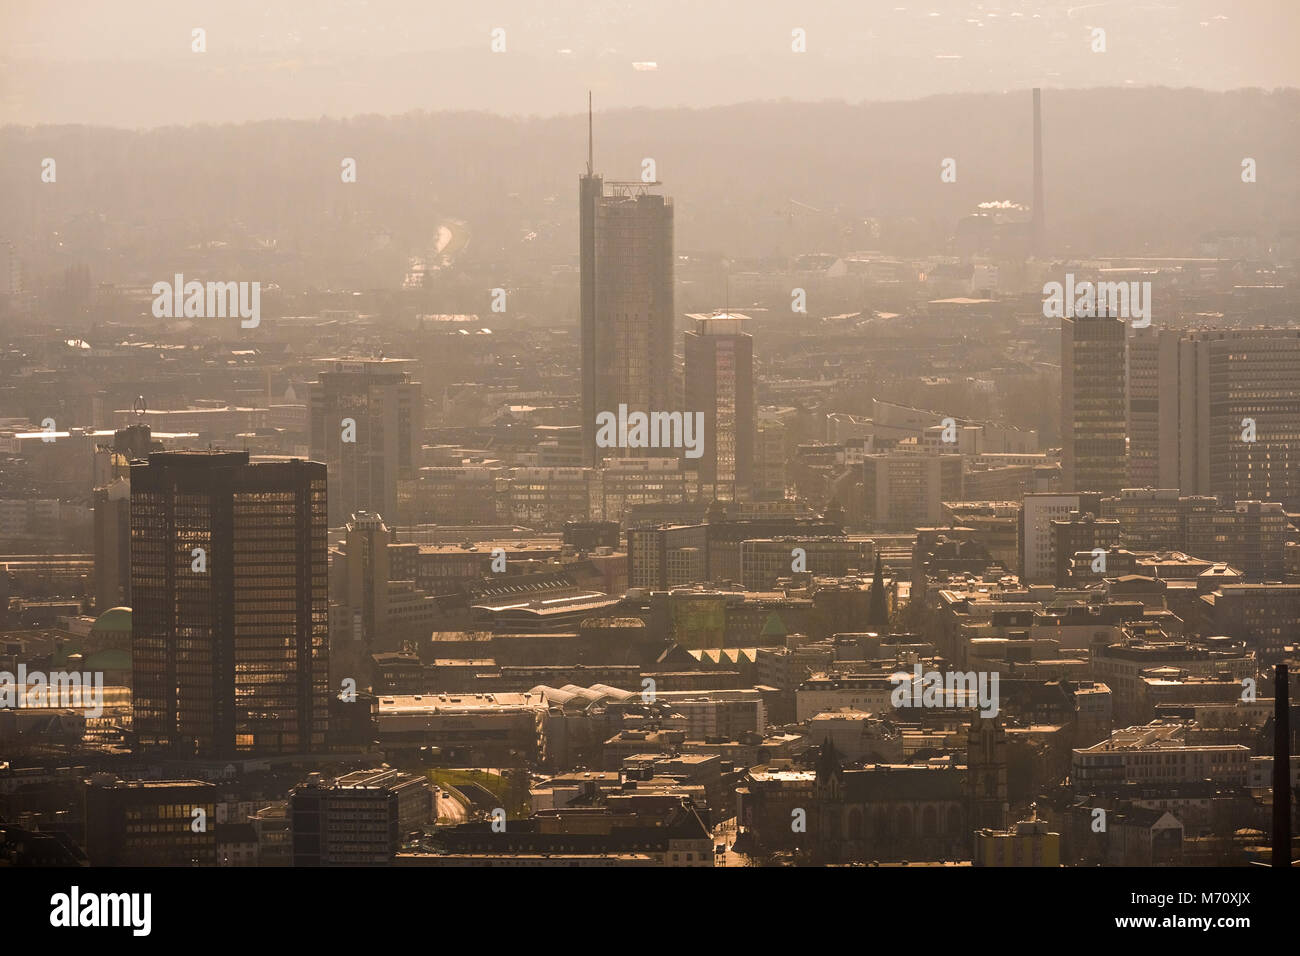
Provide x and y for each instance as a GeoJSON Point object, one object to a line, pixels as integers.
{"type": "Point", "coordinates": [381, 449]}
{"type": "Point", "coordinates": [625, 237]}
{"type": "Point", "coordinates": [229, 592]}
{"type": "Point", "coordinates": [1094, 405]}
{"type": "Point", "coordinates": [719, 381]}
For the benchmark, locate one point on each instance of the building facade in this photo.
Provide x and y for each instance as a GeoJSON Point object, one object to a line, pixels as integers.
{"type": "Point", "coordinates": [366, 420]}
{"type": "Point", "coordinates": [719, 380]}
{"type": "Point", "coordinates": [230, 622]}
{"type": "Point", "coordinates": [1094, 408]}
{"type": "Point", "coordinates": [626, 302]}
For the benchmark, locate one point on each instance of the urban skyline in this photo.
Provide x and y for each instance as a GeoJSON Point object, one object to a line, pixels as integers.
{"type": "Point", "coordinates": [415, 512]}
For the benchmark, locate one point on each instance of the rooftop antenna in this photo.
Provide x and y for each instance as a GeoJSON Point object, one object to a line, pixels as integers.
{"type": "Point", "coordinates": [589, 132]}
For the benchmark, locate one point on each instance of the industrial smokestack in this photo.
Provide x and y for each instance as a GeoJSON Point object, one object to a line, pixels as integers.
{"type": "Point", "coordinates": [1281, 770]}
{"type": "Point", "coordinates": [1038, 172]}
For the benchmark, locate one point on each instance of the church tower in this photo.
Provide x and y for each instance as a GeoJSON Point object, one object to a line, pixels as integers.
{"type": "Point", "coordinates": [986, 774]}
{"type": "Point", "coordinates": [828, 789]}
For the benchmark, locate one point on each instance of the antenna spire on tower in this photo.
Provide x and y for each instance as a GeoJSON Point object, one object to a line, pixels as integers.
{"type": "Point", "coordinates": [589, 132]}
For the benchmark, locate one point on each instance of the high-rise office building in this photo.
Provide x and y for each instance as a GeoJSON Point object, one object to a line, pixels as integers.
{"type": "Point", "coordinates": [1152, 408]}
{"type": "Point", "coordinates": [1216, 412]}
{"type": "Point", "coordinates": [719, 378]}
{"type": "Point", "coordinates": [1250, 535]}
{"type": "Point", "coordinates": [112, 545]}
{"type": "Point", "coordinates": [626, 305]}
{"type": "Point", "coordinates": [667, 556]}
{"type": "Point", "coordinates": [377, 606]}
{"type": "Point", "coordinates": [366, 421]}
{"type": "Point", "coordinates": [769, 460]}
{"type": "Point", "coordinates": [1037, 557]}
{"type": "Point", "coordinates": [229, 599]}
{"type": "Point", "coordinates": [1238, 395]}
{"type": "Point", "coordinates": [112, 504]}
{"type": "Point", "coordinates": [629, 482]}
{"type": "Point", "coordinates": [1155, 519]}
{"type": "Point", "coordinates": [359, 592]}
{"type": "Point", "coordinates": [1094, 408]}
{"type": "Point", "coordinates": [903, 490]}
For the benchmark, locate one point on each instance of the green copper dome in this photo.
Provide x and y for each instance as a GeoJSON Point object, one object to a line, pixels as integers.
{"type": "Point", "coordinates": [116, 620]}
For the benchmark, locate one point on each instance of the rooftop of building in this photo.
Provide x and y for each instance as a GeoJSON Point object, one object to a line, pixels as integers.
{"type": "Point", "coordinates": [843, 714]}
{"type": "Point", "coordinates": [457, 703]}
{"type": "Point", "coordinates": [119, 784]}
{"type": "Point", "coordinates": [565, 604]}
{"type": "Point", "coordinates": [1153, 736]}
{"type": "Point", "coordinates": [486, 546]}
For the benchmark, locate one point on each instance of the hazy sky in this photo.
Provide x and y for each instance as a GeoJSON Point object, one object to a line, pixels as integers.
{"type": "Point", "coordinates": [130, 62]}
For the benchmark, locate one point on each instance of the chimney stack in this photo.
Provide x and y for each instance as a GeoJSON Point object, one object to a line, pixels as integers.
{"type": "Point", "coordinates": [1038, 173]}
{"type": "Point", "coordinates": [1281, 770]}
